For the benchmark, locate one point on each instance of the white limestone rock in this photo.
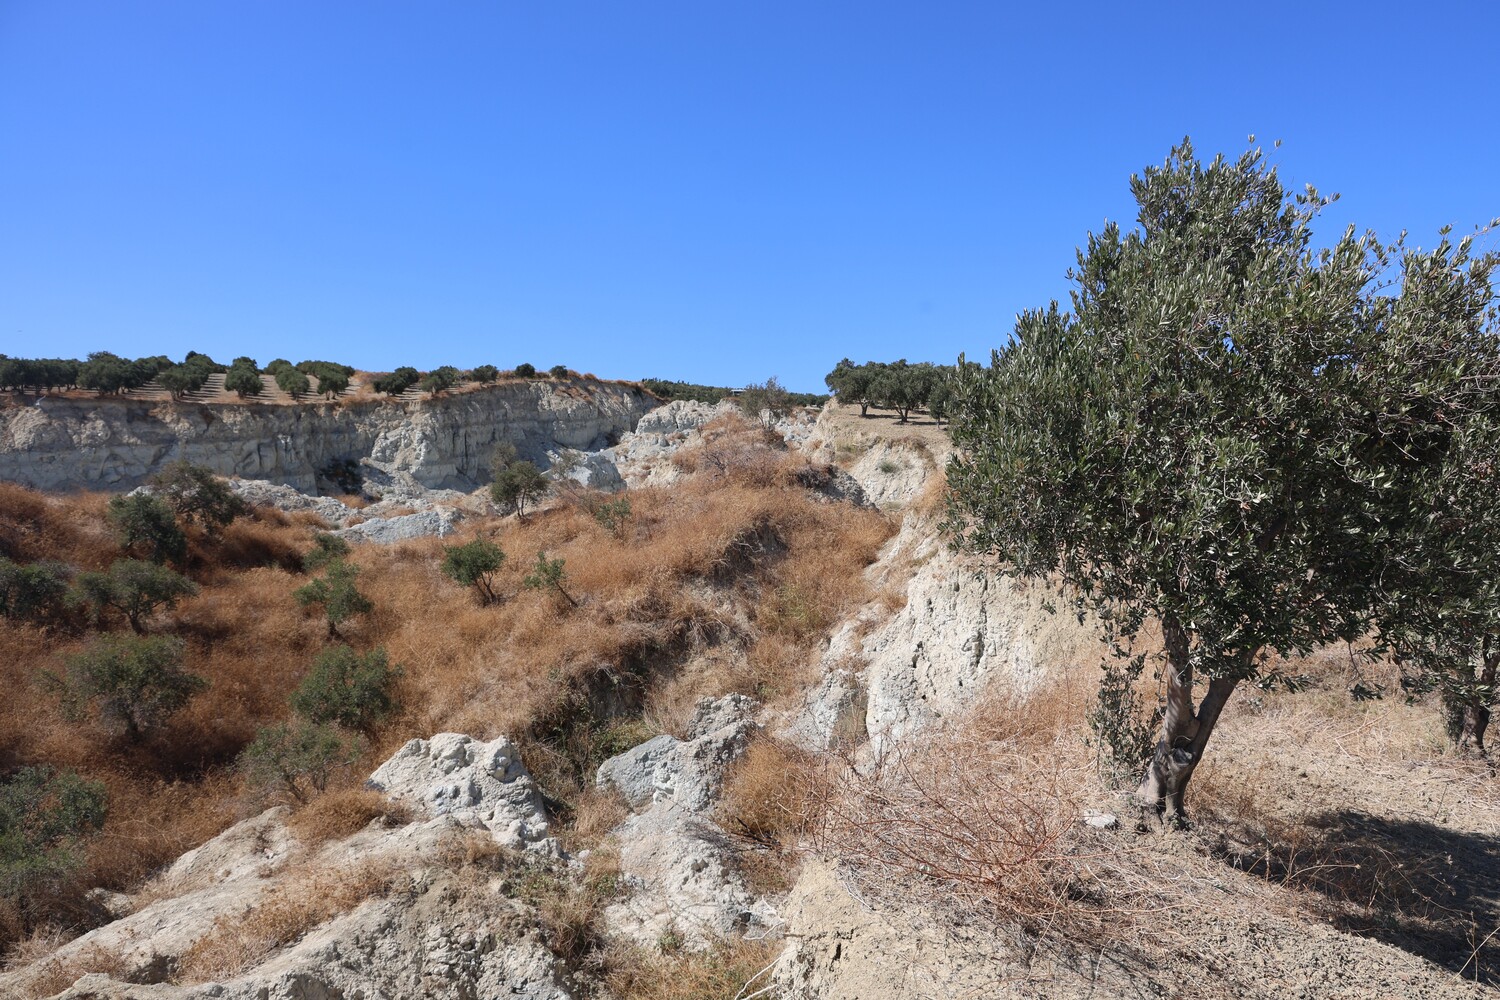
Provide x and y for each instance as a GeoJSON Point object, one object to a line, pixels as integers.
{"type": "Point", "coordinates": [438, 522]}
{"type": "Point", "coordinates": [673, 856]}
{"type": "Point", "coordinates": [472, 783]}
{"type": "Point", "coordinates": [444, 442]}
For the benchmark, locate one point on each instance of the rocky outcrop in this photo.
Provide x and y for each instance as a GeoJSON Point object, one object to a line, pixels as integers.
{"type": "Point", "coordinates": [960, 629]}
{"type": "Point", "coordinates": [674, 858]}
{"type": "Point", "coordinates": [436, 523]}
{"type": "Point", "coordinates": [60, 444]}
{"type": "Point", "coordinates": [419, 927]}
{"type": "Point", "coordinates": [472, 783]}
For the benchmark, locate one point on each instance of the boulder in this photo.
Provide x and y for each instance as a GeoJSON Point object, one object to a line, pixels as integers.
{"type": "Point", "coordinates": [471, 783]}
{"type": "Point", "coordinates": [678, 863]}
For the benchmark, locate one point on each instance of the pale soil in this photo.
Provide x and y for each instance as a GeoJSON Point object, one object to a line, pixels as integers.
{"type": "Point", "coordinates": [850, 428]}
{"type": "Point", "coordinates": [1337, 852]}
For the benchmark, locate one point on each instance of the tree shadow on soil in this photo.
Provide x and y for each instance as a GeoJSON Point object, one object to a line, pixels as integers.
{"type": "Point", "coordinates": [1430, 891]}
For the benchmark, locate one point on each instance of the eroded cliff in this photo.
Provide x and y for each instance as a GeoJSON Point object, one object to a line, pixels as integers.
{"type": "Point", "coordinates": [115, 444]}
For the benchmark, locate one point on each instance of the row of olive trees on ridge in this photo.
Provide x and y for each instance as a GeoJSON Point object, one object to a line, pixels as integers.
{"type": "Point", "coordinates": [1260, 444]}
{"type": "Point", "coordinates": [110, 374]}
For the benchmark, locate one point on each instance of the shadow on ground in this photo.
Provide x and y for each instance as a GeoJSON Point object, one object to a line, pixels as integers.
{"type": "Point", "coordinates": [1426, 889]}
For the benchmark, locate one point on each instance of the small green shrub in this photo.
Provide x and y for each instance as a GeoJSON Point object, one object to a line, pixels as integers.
{"type": "Point", "coordinates": [296, 758]}
{"type": "Point", "coordinates": [326, 548]}
{"type": "Point", "coordinates": [32, 592]}
{"type": "Point", "coordinates": [474, 564]}
{"type": "Point", "coordinates": [146, 525]}
{"type": "Point", "coordinates": [336, 591]}
{"type": "Point", "coordinates": [133, 682]}
{"type": "Point", "coordinates": [524, 370]}
{"type": "Point", "coordinates": [613, 515]}
{"type": "Point", "coordinates": [346, 688]}
{"type": "Point", "coordinates": [485, 374]}
{"type": "Point", "coordinates": [44, 814]}
{"type": "Point", "coordinates": [558, 371]}
{"type": "Point", "coordinates": [133, 587]}
{"type": "Point", "coordinates": [548, 574]}
{"type": "Point", "coordinates": [520, 484]}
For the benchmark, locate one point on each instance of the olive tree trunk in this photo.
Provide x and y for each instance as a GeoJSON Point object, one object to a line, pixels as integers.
{"type": "Point", "coordinates": [1476, 718]}
{"type": "Point", "coordinates": [1184, 730]}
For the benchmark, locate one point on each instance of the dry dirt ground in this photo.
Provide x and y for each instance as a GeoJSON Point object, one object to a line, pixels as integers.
{"type": "Point", "coordinates": [1338, 850]}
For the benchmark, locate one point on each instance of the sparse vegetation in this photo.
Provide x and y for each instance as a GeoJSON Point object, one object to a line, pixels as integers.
{"type": "Point", "coordinates": [296, 758]}
{"type": "Point", "coordinates": [134, 588]}
{"type": "Point", "coordinates": [44, 814]}
{"type": "Point", "coordinates": [519, 485]}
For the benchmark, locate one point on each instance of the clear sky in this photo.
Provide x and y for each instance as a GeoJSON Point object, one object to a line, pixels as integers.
{"type": "Point", "coordinates": [703, 190]}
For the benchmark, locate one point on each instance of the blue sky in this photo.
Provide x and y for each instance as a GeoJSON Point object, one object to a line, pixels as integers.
{"type": "Point", "coordinates": [709, 191]}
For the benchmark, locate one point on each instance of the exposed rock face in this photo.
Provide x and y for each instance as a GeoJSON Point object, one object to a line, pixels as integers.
{"type": "Point", "coordinates": [672, 854]}
{"type": "Point", "coordinates": [58, 444]}
{"type": "Point", "coordinates": [436, 523]}
{"type": "Point", "coordinates": [435, 934]}
{"type": "Point", "coordinates": [961, 629]}
{"type": "Point", "coordinates": [472, 783]}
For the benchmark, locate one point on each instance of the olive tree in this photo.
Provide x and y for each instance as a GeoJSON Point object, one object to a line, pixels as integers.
{"type": "Point", "coordinates": [34, 591]}
{"type": "Point", "coordinates": [1217, 437]}
{"type": "Point", "coordinates": [296, 758]}
{"type": "Point", "coordinates": [474, 564]}
{"type": "Point", "coordinates": [520, 485]}
{"type": "Point", "coordinates": [147, 525]}
{"type": "Point", "coordinates": [854, 383]}
{"type": "Point", "coordinates": [131, 681]}
{"type": "Point", "coordinates": [195, 494]}
{"type": "Point", "coordinates": [1439, 600]}
{"type": "Point", "coordinates": [43, 816]}
{"type": "Point", "coordinates": [350, 689]}
{"type": "Point", "coordinates": [337, 593]}
{"type": "Point", "coordinates": [133, 587]}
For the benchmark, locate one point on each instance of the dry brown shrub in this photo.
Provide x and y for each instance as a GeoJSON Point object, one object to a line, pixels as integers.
{"type": "Point", "coordinates": [727, 971]}
{"type": "Point", "coordinates": [772, 797]}
{"type": "Point", "coordinates": [774, 793]}
{"type": "Point", "coordinates": [595, 812]}
{"type": "Point", "coordinates": [984, 817]}
{"type": "Point", "coordinates": [721, 586]}
{"type": "Point", "coordinates": [337, 814]}
{"type": "Point", "coordinates": [300, 901]}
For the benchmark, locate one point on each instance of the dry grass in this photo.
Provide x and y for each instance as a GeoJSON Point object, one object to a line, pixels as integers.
{"type": "Point", "coordinates": [298, 902]}
{"type": "Point", "coordinates": [722, 584]}
{"type": "Point", "coordinates": [53, 976]}
{"type": "Point", "coordinates": [772, 797]}
{"type": "Point", "coordinates": [337, 814]}
{"type": "Point", "coordinates": [720, 973]}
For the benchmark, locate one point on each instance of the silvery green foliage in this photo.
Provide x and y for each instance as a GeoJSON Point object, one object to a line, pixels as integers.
{"type": "Point", "coordinates": [1230, 427]}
